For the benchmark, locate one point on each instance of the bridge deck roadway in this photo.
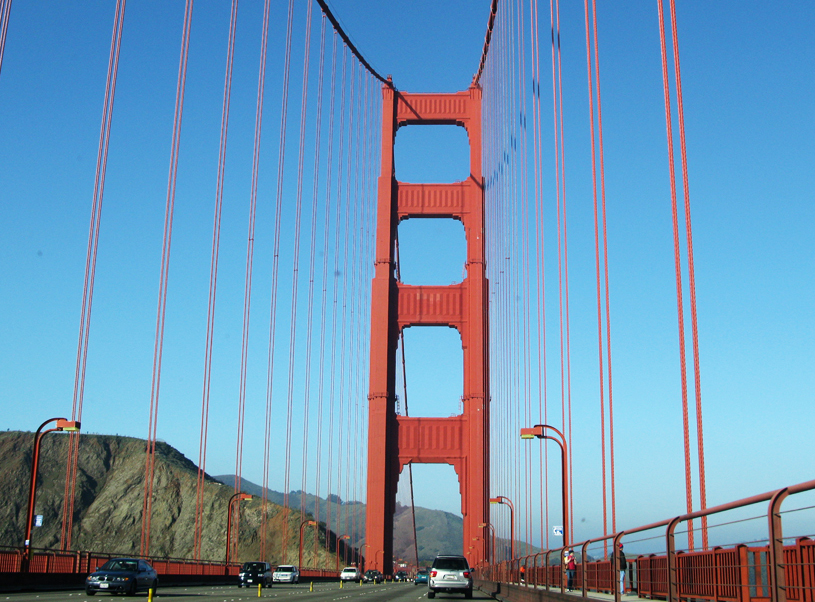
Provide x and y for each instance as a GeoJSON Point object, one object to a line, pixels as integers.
{"type": "Point", "coordinates": [323, 592]}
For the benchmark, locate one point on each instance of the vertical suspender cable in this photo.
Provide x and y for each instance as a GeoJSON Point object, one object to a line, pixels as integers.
{"type": "Point", "coordinates": [213, 282]}
{"type": "Point", "coordinates": [345, 358]}
{"type": "Point", "coordinates": [566, 274]}
{"type": "Point", "coordinates": [90, 261]}
{"type": "Point", "coordinates": [309, 320]}
{"type": "Point", "coordinates": [353, 200]}
{"type": "Point", "coordinates": [341, 524]}
{"type": "Point", "coordinates": [5, 12]}
{"type": "Point", "coordinates": [373, 162]}
{"type": "Point", "coordinates": [247, 292]}
{"type": "Point", "coordinates": [560, 177]}
{"type": "Point", "coordinates": [324, 297]}
{"type": "Point", "coordinates": [407, 412]}
{"type": "Point", "coordinates": [691, 275]}
{"type": "Point", "coordinates": [540, 280]}
{"type": "Point", "coordinates": [162, 297]}
{"type": "Point", "coordinates": [597, 270]}
{"type": "Point", "coordinates": [523, 270]}
{"type": "Point", "coordinates": [525, 273]}
{"type": "Point", "coordinates": [605, 264]}
{"type": "Point", "coordinates": [324, 300]}
{"type": "Point", "coordinates": [334, 318]}
{"type": "Point", "coordinates": [278, 230]}
{"type": "Point", "coordinates": [357, 287]}
{"type": "Point", "coordinates": [678, 269]}
{"type": "Point", "coordinates": [296, 274]}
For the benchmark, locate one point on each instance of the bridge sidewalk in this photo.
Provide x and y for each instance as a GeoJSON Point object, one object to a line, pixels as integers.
{"type": "Point", "coordinates": [531, 593]}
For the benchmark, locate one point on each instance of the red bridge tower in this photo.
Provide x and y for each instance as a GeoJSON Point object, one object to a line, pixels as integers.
{"type": "Point", "coordinates": [462, 441]}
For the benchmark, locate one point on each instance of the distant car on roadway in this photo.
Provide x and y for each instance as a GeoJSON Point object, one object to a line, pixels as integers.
{"type": "Point", "coordinates": [122, 576]}
{"type": "Point", "coordinates": [286, 573]}
{"type": "Point", "coordinates": [421, 577]}
{"type": "Point", "coordinates": [400, 576]}
{"type": "Point", "coordinates": [350, 573]}
{"type": "Point", "coordinates": [450, 574]}
{"type": "Point", "coordinates": [253, 573]}
{"type": "Point", "coordinates": [373, 576]}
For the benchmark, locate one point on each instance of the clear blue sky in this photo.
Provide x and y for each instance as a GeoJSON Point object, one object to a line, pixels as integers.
{"type": "Point", "coordinates": [748, 87]}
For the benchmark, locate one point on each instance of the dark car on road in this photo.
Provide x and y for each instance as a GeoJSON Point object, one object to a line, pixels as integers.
{"type": "Point", "coordinates": [122, 576]}
{"type": "Point", "coordinates": [451, 575]}
{"type": "Point", "coordinates": [400, 576]}
{"type": "Point", "coordinates": [372, 576]}
{"type": "Point", "coordinates": [421, 577]}
{"type": "Point", "coordinates": [253, 573]}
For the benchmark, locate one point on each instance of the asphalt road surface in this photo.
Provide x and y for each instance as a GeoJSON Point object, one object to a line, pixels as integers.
{"type": "Point", "coordinates": [323, 592]}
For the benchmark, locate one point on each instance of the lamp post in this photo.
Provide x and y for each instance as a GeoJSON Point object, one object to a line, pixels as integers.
{"type": "Point", "coordinates": [337, 551]}
{"type": "Point", "coordinates": [300, 557]}
{"type": "Point", "coordinates": [376, 564]}
{"type": "Point", "coordinates": [484, 526]}
{"type": "Point", "coordinates": [64, 425]}
{"type": "Point", "coordinates": [235, 498]}
{"type": "Point", "coordinates": [502, 499]}
{"type": "Point", "coordinates": [539, 431]}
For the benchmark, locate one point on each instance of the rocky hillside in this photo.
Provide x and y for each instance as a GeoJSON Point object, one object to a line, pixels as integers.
{"type": "Point", "coordinates": [109, 500]}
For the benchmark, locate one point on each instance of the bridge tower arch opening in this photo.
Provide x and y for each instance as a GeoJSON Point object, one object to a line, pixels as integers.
{"type": "Point", "coordinates": [461, 440]}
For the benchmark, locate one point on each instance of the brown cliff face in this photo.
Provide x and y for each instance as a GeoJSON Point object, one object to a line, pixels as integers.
{"type": "Point", "coordinates": [109, 501]}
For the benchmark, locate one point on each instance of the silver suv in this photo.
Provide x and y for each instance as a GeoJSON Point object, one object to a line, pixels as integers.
{"type": "Point", "coordinates": [450, 574]}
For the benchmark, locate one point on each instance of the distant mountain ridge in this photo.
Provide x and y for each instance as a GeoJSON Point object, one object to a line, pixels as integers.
{"type": "Point", "coordinates": [437, 531]}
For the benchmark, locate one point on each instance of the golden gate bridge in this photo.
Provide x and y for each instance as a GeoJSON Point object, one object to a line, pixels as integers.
{"type": "Point", "coordinates": [328, 394]}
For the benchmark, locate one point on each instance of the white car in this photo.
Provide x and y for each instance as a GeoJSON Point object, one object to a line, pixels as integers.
{"type": "Point", "coordinates": [350, 573]}
{"type": "Point", "coordinates": [286, 573]}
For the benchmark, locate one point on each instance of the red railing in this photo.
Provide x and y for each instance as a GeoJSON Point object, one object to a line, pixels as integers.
{"type": "Point", "coordinates": [742, 573]}
{"type": "Point", "coordinates": [68, 563]}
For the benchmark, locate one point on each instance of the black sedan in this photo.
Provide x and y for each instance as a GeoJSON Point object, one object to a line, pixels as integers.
{"type": "Point", "coordinates": [122, 576]}
{"type": "Point", "coordinates": [372, 576]}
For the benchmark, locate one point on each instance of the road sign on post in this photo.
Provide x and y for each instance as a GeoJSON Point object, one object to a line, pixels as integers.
{"type": "Point", "coordinates": [38, 520]}
{"type": "Point", "coordinates": [558, 531]}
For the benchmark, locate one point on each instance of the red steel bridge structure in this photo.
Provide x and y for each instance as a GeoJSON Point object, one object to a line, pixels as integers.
{"type": "Point", "coordinates": [337, 185]}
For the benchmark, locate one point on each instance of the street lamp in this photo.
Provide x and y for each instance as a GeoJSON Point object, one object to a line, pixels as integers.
{"type": "Point", "coordinates": [300, 557]}
{"type": "Point", "coordinates": [337, 551]}
{"type": "Point", "coordinates": [501, 499]}
{"type": "Point", "coordinates": [484, 526]}
{"type": "Point", "coordinates": [537, 431]}
{"type": "Point", "coordinates": [64, 425]}
{"type": "Point", "coordinates": [235, 498]}
{"type": "Point", "coordinates": [376, 564]}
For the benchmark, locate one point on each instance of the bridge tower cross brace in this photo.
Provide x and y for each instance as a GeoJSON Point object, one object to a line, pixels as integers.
{"type": "Point", "coordinates": [461, 441]}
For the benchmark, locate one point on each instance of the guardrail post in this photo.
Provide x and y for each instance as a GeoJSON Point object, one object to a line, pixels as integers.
{"type": "Point", "coordinates": [778, 591]}
{"type": "Point", "coordinates": [546, 570]}
{"type": "Point", "coordinates": [670, 549]}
